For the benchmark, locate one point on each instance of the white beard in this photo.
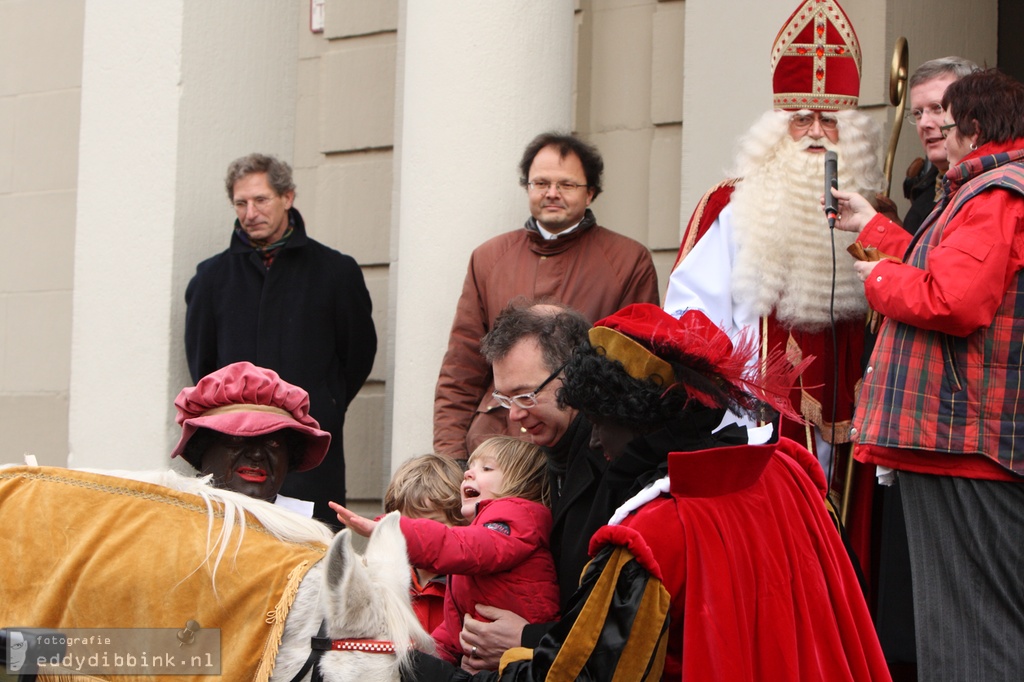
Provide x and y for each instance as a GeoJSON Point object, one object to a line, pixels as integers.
{"type": "Point", "coordinates": [784, 247]}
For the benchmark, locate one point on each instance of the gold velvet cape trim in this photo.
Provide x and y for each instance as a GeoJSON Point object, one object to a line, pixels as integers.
{"type": "Point", "coordinates": [647, 642]}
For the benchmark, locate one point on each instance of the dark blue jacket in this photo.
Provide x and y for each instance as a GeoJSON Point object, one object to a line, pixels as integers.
{"type": "Point", "coordinates": [307, 318]}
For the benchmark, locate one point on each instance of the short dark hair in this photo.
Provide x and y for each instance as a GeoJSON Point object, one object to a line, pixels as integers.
{"type": "Point", "coordinates": [203, 438]}
{"type": "Point", "coordinates": [989, 103]}
{"type": "Point", "coordinates": [593, 164]}
{"type": "Point", "coordinates": [943, 66]}
{"type": "Point", "coordinates": [558, 329]}
{"type": "Point", "coordinates": [279, 173]}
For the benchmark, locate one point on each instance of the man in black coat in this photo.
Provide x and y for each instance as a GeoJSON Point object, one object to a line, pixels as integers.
{"type": "Point", "coordinates": [283, 301]}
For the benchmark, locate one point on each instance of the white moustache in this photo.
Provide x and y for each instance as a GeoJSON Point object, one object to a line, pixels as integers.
{"type": "Point", "coordinates": [805, 143]}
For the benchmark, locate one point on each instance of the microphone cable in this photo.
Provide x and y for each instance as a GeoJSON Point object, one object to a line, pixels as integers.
{"type": "Point", "coordinates": [831, 210]}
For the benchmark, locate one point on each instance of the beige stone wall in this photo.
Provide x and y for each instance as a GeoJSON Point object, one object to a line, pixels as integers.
{"type": "Point", "coordinates": [344, 140]}
{"type": "Point", "coordinates": [629, 100]}
{"type": "Point", "coordinates": [40, 88]}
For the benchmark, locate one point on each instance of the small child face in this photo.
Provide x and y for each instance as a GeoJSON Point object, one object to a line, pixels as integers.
{"type": "Point", "coordinates": [483, 480]}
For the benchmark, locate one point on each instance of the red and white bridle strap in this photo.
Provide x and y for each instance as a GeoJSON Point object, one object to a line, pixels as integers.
{"type": "Point", "coordinates": [370, 646]}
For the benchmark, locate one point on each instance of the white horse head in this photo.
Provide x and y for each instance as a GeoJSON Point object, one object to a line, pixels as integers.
{"type": "Point", "coordinates": [369, 620]}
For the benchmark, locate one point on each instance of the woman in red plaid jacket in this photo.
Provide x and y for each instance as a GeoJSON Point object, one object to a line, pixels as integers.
{"type": "Point", "coordinates": [941, 401]}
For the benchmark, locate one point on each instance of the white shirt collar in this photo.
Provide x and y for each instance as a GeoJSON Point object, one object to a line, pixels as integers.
{"type": "Point", "coordinates": [552, 235]}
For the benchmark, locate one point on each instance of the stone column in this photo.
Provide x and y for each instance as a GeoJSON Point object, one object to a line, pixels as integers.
{"type": "Point", "coordinates": [480, 81]}
{"type": "Point", "coordinates": [171, 92]}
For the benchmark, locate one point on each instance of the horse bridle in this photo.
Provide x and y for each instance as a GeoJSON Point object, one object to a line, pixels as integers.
{"type": "Point", "coordinates": [321, 643]}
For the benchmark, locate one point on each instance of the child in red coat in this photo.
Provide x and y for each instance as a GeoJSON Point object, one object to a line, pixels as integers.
{"type": "Point", "coordinates": [502, 558]}
{"type": "Point", "coordinates": [427, 487]}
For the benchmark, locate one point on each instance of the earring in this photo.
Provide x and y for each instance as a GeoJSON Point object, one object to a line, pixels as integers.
{"type": "Point", "coordinates": [974, 147]}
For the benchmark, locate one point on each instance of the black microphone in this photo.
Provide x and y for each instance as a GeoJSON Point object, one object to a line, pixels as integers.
{"type": "Point", "coordinates": [831, 183]}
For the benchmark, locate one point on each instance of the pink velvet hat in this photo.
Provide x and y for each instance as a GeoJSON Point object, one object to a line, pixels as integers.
{"type": "Point", "coordinates": [244, 400]}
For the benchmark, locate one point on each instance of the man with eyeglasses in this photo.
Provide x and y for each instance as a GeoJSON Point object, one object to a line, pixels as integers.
{"type": "Point", "coordinates": [527, 347]}
{"type": "Point", "coordinates": [758, 253]}
{"type": "Point", "coordinates": [281, 300]}
{"type": "Point", "coordinates": [923, 184]}
{"type": "Point", "coordinates": [561, 255]}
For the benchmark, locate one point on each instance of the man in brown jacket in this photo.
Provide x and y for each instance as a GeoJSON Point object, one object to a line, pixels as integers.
{"type": "Point", "coordinates": [561, 255]}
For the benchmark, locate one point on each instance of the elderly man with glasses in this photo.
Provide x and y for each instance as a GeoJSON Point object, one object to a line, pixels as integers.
{"type": "Point", "coordinates": [923, 184]}
{"type": "Point", "coordinates": [758, 253]}
{"type": "Point", "coordinates": [561, 254]}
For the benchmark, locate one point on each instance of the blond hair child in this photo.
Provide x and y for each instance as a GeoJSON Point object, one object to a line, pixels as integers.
{"type": "Point", "coordinates": [502, 558]}
{"type": "Point", "coordinates": [427, 487]}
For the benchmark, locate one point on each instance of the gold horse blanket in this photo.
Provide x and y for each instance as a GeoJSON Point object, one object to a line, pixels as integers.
{"type": "Point", "coordinates": [84, 550]}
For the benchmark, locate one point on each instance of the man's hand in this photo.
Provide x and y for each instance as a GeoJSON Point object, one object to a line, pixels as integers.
{"type": "Point", "coordinates": [359, 524]}
{"type": "Point", "coordinates": [484, 642]}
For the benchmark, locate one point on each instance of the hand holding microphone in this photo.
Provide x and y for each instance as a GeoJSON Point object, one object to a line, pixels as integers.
{"type": "Point", "coordinates": [856, 209]}
{"type": "Point", "coordinates": [855, 213]}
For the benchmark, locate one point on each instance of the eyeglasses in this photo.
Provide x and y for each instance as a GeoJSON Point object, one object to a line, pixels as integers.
{"type": "Point", "coordinates": [259, 202]}
{"type": "Point", "coordinates": [563, 186]}
{"type": "Point", "coordinates": [944, 130]}
{"type": "Point", "coordinates": [525, 401]}
{"type": "Point", "coordinates": [805, 121]}
{"type": "Point", "coordinates": [915, 115]}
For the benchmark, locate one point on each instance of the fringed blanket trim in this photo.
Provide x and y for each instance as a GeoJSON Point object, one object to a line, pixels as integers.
{"type": "Point", "coordinates": [276, 620]}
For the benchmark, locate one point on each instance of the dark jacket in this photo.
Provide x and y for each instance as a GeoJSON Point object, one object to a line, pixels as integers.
{"type": "Point", "coordinates": [307, 318]}
{"type": "Point", "coordinates": [575, 471]}
{"type": "Point", "coordinates": [921, 192]}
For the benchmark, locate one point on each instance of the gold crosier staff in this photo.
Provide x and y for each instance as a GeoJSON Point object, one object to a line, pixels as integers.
{"type": "Point", "coordinates": [898, 74]}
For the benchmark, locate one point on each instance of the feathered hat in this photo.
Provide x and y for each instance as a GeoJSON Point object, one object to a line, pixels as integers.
{"type": "Point", "coordinates": [816, 59]}
{"type": "Point", "coordinates": [712, 369]}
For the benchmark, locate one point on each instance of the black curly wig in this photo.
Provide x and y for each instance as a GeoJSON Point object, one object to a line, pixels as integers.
{"type": "Point", "coordinates": [601, 389]}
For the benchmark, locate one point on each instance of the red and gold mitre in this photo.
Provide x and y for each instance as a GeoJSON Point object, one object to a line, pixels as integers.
{"type": "Point", "coordinates": [816, 59]}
